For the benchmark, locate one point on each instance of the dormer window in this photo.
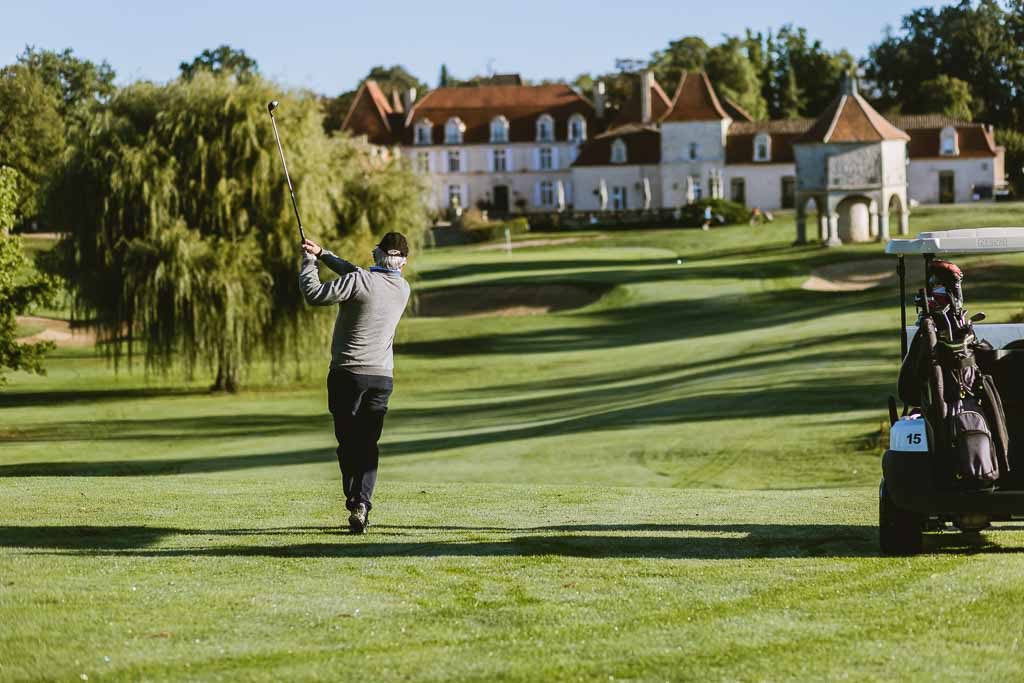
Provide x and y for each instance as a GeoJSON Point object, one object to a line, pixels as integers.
{"type": "Point", "coordinates": [762, 147]}
{"type": "Point", "coordinates": [453, 131]}
{"type": "Point", "coordinates": [577, 129]}
{"type": "Point", "coordinates": [545, 128]}
{"type": "Point", "coordinates": [499, 129]}
{"type": "Point", "coordinates": [423, 132]}
{"type": "Point", "coordinates": [693, 151]}
{"type": "Point", "coordinates": [949, 146]}
{"type": "Point", "coordinates": [618, 151]}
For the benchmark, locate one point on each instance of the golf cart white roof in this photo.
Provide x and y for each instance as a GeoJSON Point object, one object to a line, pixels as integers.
{"type": "Point", "coordinates": [963, 241]}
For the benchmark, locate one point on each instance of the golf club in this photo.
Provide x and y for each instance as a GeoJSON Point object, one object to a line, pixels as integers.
{"type": "Point", "coordinates": [271, 106]}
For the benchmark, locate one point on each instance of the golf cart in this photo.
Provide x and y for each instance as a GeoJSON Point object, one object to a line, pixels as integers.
{"type": "Point", "coordinates": [956, 450]}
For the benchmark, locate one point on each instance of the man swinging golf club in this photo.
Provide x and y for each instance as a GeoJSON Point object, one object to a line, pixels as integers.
{"type": "Point", "coordinates": [370, 304]}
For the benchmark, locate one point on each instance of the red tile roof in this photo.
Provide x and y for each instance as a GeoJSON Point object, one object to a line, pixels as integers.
{"type": "Point", "coordinates": [478, 106]}
{"type": "Point", "coordinates": [695, 100]}
{"type": "Point", "coordinates": [368, 115]}
{"type": "Point", "coordinates": [643, 147]}
{"type": "Point", "coordinates": [631, 110]}
{"type": "Point", "coordinates": [974, 139]}
{"type": "Point", "coordinates": [774, 126]}
{"type": "Point", "coordinates": [735, 111]}
{"type": "Point", "coordinates": [851, 119]}
{"type": "Point", "coordinates": [739, 143]}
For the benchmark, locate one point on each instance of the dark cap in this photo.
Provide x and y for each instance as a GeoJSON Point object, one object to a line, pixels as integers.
{"type": "Point", "coordinates": [394, 244]}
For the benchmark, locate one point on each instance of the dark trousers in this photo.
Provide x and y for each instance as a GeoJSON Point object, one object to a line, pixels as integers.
{"type": "Point", "coordinates": [358, 404]}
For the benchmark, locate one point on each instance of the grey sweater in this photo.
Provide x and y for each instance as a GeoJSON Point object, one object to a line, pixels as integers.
{"type": "Point", "coordinates": [371, 303]}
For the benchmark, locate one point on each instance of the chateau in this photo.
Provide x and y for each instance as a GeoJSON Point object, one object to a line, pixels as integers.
{"type": "Point", "coordinates": [548, 148]}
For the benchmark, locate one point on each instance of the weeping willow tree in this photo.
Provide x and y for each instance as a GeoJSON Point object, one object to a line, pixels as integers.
{"type": "Point", "coordinates": [182, 246]}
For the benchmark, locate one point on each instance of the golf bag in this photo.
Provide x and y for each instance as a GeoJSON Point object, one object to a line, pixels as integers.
{"type": "Point", "coordinates": [960, 403]}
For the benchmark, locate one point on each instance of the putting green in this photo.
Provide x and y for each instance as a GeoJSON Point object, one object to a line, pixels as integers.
{"type": "Point", "coordinates": [675, 482]}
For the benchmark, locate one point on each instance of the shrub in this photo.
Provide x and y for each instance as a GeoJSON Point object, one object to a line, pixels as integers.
{"type": "Point", "coordinates": [724, 211]}
{"type": "Point", "coordinates": [495, 230]}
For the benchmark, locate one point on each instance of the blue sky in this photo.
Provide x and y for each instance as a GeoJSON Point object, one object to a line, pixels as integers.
{"type": "Point", "coordinates": [329, 46]}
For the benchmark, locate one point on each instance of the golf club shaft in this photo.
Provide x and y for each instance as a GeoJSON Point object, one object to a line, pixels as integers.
{"type": "Point", "coordinates": [291, 190]}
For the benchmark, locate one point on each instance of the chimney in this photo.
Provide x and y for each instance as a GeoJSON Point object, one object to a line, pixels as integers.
{"type": "Point", "coordinates": [396, 103]}
{"type": "Point", "coordinates": [599, 98]}
{"type": "Point", "coordinates": [646, 85]}
{"type": "Point", "coordinates": [408, 98]}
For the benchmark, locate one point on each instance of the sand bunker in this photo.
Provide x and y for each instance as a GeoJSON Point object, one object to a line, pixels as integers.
{"type": "Point", "coordinates": [504, 300]}
{"type": "Point", "coordinates": [856, 276]}
{"type": "Point", "coordinates": [57, 331]}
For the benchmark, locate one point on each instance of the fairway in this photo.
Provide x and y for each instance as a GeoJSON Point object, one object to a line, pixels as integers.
{"type": "Point", "coordinates": [675, 481]}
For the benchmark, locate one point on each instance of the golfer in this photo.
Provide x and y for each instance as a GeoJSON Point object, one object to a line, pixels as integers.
{"type": "Point", "coordinates": [370, 304]}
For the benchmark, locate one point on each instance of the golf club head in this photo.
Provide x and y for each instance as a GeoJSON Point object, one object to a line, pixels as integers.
{"type": "Point", "coordinates": [271, 106]}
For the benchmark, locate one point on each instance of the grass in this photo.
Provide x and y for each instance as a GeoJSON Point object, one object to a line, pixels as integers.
{"type": "Point", "coordinates": [674, 483]}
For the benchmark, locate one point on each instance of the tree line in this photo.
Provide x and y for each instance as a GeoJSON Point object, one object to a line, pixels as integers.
{"type": "Point", "coordinates": [180, 246]}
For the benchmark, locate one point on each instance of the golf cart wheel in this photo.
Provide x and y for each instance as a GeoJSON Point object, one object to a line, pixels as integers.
{"type": "Point", "coordinates": [900, 532]}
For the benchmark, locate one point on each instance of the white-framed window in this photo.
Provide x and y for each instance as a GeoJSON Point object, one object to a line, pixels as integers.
{"type": "Point", "coordinates": [453, 131]}
{"type": "Point", "coordinates": [577, 128]}
{"type": "Point", "coordinates": [499, 129]}
{"type": "Point", "coordinates": [545, 128]}
{"type": "Point", "coordinates": [618, 151]}
{"type": "Point", "coordinates": [948, 145]}
{"type": "Point", "coordinates": [696, 191]}
{"type": "Point", "coordinates": [762, 147]}
{"type": "Point", "coordinates": [499, 160]}
{"type": "Point", "coordinates": [547, 193]}
{"type": "Point", "coordinates": [455, 198]}
{"type": "Point", "coordinates": [423, 162]}
{"type": "Point", "coordinates": [693, 150]}
{"type": "Point", "coordinates": [424, 129]}
{"type": "Point", "coordinates": [545, 161]}
{"type": "Point", "coordinates": [454, 161]}
{"type": "Point", "coordinates": [619, 198]}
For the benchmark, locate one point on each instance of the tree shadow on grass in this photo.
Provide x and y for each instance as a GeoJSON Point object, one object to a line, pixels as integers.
{"type": "Point", "coordinates": [674, 541]}
{"type": "Point", "coordinates": [63, 397]}
{"type": "Point", "coordinates": [602, 410]}
{"type": "Point", "coordinates": [619, 541]}
{"type": "Point", "coordinates": [193, 427]}
{"type": "Point", "coordinates": [166, 466]}
{"type": "Point", "coordinates": [653, 322]}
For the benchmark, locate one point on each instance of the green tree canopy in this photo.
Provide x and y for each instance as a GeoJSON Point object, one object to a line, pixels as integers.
{"type": "Point", "coordinates": [619, 87]}
{"type": "Point", "coordinates": [393, 78]}
{"type": "Point", "coordinates": [686, 54]}
{"type": "Point", "coordinates": [735, 75]}
{"type": "Point", "coordinates": [18, 291]}
{"type": "Point", "coordinates": [79, 81]}
{"type": "Point", "coordinates": [31, 132]}
{"type": "Point", "coordinates": [784, 75]}
{"type": "Point", "coordinates": [183, 245]}
{"type": "Point", "coordinates": [946, 95]}
{"type": "Point", "coordinates": [979, 44]}
{"type": "Point", "coordinates": [806, 74]}
{"type": "Point", "coordinates": [223, 60]}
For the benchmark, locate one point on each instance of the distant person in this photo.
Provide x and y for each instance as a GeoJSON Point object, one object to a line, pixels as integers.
{"type": "Point", "coordinates": [708, 217]}
{"type": "Point", "coordinates": [360, 381]}
{"type": "Point", "coordinates": [755, 216]}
